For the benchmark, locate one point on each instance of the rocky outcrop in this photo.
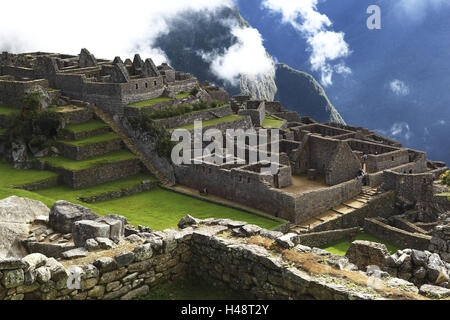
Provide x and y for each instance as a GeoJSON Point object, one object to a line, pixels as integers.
{"type": "Point", "coordinates": [64, 214]}
{"type": "Point", "coordinates": [16, 216]}
{"type": "Point", "coordinates": [366, 253]}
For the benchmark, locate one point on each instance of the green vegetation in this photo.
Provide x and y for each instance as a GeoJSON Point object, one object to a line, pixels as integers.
{"type": "Point", "coordinates": [6, 111]}
{"type": "Point", "coordinates": [75, 165]}
{"type": "Point", "coordinates": [213, 122]}
{"type": "Point", "coordinates": [182, 95]}
{"type": "Point", "coordinates": [272, 122]}
{"type": "Point", "coordinates": [150, 102]}
{"type": "Point", "coordinates": [445, 178]}
{"type": "Point", "coordinates": [341, 247]}
{"type": "Point", "coordinates": [190, 289]}
{"type": "Point", "coordinates": [91, 140]}
{"type": "Point", "coordinates": [158, 208]}
{"type": "Point", "coordinates": [11, 177]}
{"type": "Point", "coordinates": [91, 125]}
{"type": "Point", "coordinates": [172, 111]}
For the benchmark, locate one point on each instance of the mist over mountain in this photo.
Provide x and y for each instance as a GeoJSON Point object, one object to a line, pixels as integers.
{"type": "Point", "coordinates": [195, 36]}
{"type": "Point", "coordinates": [398, 76]}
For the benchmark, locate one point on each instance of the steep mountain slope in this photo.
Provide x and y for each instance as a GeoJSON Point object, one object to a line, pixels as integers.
{"type": "Point", "coordinates": [192, 36]}
{"type": "Point", "coordinates": [300, 92]}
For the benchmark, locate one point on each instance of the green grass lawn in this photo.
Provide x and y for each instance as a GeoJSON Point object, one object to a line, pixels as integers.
{"type": "Point", "coordinates": [91, 140]}
{"type": "Point", "coordinates": [91, 125]}
{"type": "Point", "coordinates": [151, 102]}
{"type": "Point", "coordinates": [17, 177]}
{"type": "Point", "coordinates": [212, 122]}
{"type": "Point", "coordinates": [160, 209]}
{"type": "Point", "coordinates": [182, 95]}
{"type": "Point", "coordinates": [8, 110]}
{"type": "Point", "coordinates": [190, 289]}
{"type": "Point", "coordinates": [75, 165]}
{"type": "Point", "coordinates": [271, 122]}
{"type": "Point", "coordinates": [342, 246]}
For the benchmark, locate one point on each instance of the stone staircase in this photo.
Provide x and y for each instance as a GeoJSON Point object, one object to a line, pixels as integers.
{"type": "Point", "coordinates": [348, 207]}
{"type": "Point", "coordinates": [130, 145]}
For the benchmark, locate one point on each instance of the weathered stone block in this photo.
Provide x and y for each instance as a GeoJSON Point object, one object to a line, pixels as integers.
{"type": "Point", "coordinates": [88, 229]}
{"type": "Point", "coordinates": [64, 214]}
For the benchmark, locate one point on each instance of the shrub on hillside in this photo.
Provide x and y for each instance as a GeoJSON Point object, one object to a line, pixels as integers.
{"type": "Point", "coordinates": [445, 178]}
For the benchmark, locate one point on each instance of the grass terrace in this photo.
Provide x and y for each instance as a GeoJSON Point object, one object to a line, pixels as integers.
{"type": "Point", "coordinates": [75, 165]}
{"type": "Point", "coordinates": [6, 111]}
{"type": "Point", "coordinates": [10, 177]}
{"type": "Point", "coordinates": [91, 125]}
{"type": "Point", "coordinates": [158, 208]}
{"type": "Point", "coordinates": [341, 247]}
{"type": "Point", "coordinates": [95, 139]}
{"type": "Point", "coordinates": [212, 122]}
{"type": "Point", "coordinates": [272, 122]}
{"type": "Point", "coordinates": [151, 102]}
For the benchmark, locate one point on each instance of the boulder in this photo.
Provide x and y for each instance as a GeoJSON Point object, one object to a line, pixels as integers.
{"type": "Point", "coordinates": [88, 229]}
{"type": "Point", "coordinates": [419, 258]}
{"type": "Point", "coordinates": [143, 252]}
{"type": "Point", "coordinates": [435, 267]}
{"type": "Point", "coordinates": [64, 214]}
{"type": "Point", "coordinates": [434, 291]}
{"type": "Point", "coordinates": [105, 243]}
{"type": "Point", "coordinates": [16, 216]}
{"type": "Point", "coordinates": [287, 241]}
{"type": "Point", "coordinates": [19, 154]}
{"type": "Point", "coordinates": [35, 260]}
{"type": "Point", "coordinates": [187, 221]}
{"type": "Point", "coordinates": [43, 274]}
{"type": "Point", "coordinates": [117, 225]}
{"type": "Point", "coordinates": [92, 245]}
{"type": "Point", "coordinates": [105, 264]}
{"type": "Point", "coordinates": [124, 258]}
{"type": "Point", "coordinates": [12, 278]}
{"type": "Point", "coordinates": [365, 253]}
{"type": "Point", "coordinates": [75, 253]}
{"type": "Point", "coordinates": [250, 230]}
{"type": "Point", "coordinates": [11, 264]}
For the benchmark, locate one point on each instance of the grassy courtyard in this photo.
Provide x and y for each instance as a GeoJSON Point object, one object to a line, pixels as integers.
{"type": "Point", "coordinates": [190, 289]}
{"type": "Point", "coordinates": [272, 122]}
{"type": "Point", "coordinates": [8, 110]}
{"type": "Point", "coordinates": [151, 102]}
{"type": "Point", "coordinates": [90, 125]}
{"type": "Point", "coordinates": [158, 208]}
{"type": "Point", "coordinates": [91, 140]}
{"type": "Point", "coordinates": [212, 122]}
{"type": "Point", "coordinates": [341, 247]}
{"type": "Point", "coordinates": [75, 165]}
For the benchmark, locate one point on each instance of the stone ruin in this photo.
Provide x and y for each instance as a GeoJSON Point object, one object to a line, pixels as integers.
{"type": "Point", "coordinates": [118, 261]}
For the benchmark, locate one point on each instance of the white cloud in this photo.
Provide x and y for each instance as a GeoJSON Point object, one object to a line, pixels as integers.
{"type": "Point", "coordinates": [400, 130]}
{"type": "Point", "coordinates": [248, 56]}
{"type": "Point", "coordinates": [418, 9]}
{"type": "Point", "coordinates": [326, 45]}
{"type": "Point", "coordinates": [399, 88]}
{"type": "Point", "coordinates": [114, 28]}
{"type": "Point", "coordinates": [106, 28]}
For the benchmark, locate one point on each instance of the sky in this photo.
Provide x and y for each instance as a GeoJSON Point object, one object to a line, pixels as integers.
{"type": "Point", "coordinates": [108, 28]}
{"type": "Point", "coordinates": [394, 80]}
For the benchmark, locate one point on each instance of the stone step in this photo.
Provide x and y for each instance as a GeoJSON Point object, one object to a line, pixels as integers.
{"type": "Point", "coordinates": [73, 114]}
{"type": "Point", "coordinates": [84, 130]}
{"type": "Point", "coordinates": [90, 147]}
{"type": "Point", "coordinates": [105, 168]}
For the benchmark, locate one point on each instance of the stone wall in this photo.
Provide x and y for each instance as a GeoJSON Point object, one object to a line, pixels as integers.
{"type": "Point", "coordinates": [410, 188]}
{"type": "Point", "coordinates": [382, 205]}
{"type": "Point", "coordinates": [88, 177]}
{"type": "Point", "coordinates": [320, 239]}
{"type": "Point", "coordinates": [144, 186]}
{"type": "Point", "coordinates": [89, 150]}
{"type": "Point", "coordinates": [440, 241]}
{"type": "Point", "coordinates": [11, 92]}
{"type": "Point", "coordinates": [397, 237]}
{"type": "Point", "coordinates": [189, 118]}
{"type": "Point", "coordinates": [311, 203]}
